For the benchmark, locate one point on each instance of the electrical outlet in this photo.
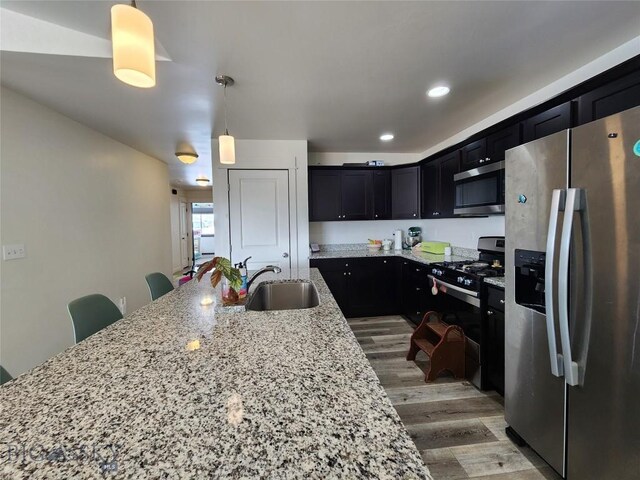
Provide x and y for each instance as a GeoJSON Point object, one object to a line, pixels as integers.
{"type": "Point", "coordinates": [12, 252]}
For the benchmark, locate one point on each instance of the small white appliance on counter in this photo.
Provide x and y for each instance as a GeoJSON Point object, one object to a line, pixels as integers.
{"type": "Point", "coordinates": [397, 238]}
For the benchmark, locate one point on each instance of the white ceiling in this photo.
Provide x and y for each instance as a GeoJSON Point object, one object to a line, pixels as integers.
{"type": "Point", "coordinates": [336, 73]}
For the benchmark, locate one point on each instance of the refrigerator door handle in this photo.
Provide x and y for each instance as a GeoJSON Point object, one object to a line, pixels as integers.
{"type": "Point", "coordinates": [573, 204]}
{"type": "Point", "coordinates": [557, 204]}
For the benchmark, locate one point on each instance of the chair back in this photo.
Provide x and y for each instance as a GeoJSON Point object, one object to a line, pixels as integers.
{"type": "Point", "coordinates": [4, 375]}
{"type": "Point", "coordinates": [91, 314]}
{"type": "Point", "coordinates": [159, 284]}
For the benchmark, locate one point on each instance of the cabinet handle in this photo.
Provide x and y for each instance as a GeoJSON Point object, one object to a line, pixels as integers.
{"type": "Point", "coordinates": [376, 216]}
{"type": "Point", "coordinates": [345, 274]}
{"type": "Point", "coordinates": [417, 269]}
{"type": "Point", "coordinates": [482, 160]}
{"type": "Point", "coordinates": [490, 312]}
{"type": "Point", "coordinates": [346, 264]}
{"type": "Point", "coordinates": [414, 214]}
{"type": "Point", "coordinates": [384, 261]}
{"type": "Point", "coordinates": [418, 289]}
{"type": "Point", "coordinates": [501, 301]}
{"type": "Point", "coordinates": [488, 159]}
{"type": "Point", "coordinates": [349, 273]}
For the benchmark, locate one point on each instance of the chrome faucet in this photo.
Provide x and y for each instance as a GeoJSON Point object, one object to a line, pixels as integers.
{"type": "Point", "coordinates": [268, 268]}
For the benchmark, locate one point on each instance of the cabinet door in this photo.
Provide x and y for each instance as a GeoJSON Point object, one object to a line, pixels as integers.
{"type": "Point", "coordinates": [546, 123]}
{"type": "Point", "coordinates": [357, 195]}
{"type": "Point", "coordinates": [336, 280]}
{"type": "Point", "coordinates": [449, 166]}
{"type": "Point", "coordinates": [383, 271]}
{"type": "Point", "coordinates": [361, 284]}
{"type": "Point", "coordinates": [325, 195]}
{"type": "Point", "coordinates": [405, 191]}
{"type": "Point", "coordinates": [382, 195]}
{"type": "Point", "coordinates": [614, 97]}
{"type": "Point", "coordinates": [500, 142]}
{"type": "Point", "coordinates": [430, 189]}
{"type": "Point", "coordinates": [495, 349]}
{"type": "Point", "coordinates": [474, 154]}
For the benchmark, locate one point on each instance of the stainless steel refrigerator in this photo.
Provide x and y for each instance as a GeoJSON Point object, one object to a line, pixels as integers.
{"type": "Point", "coordinates": [572, 377]}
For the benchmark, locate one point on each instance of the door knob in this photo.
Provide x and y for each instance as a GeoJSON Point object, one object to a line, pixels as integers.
{"type": "Point", "coordinates": [285, 255]}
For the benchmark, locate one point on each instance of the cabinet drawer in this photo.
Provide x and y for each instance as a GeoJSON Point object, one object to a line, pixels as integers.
{"type": "Point", "coordinates": [495, 298]}
{"type": "Point", "coordinates": [330, 264]}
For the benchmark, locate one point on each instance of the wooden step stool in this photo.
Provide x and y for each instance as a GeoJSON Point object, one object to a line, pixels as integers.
{"type": "Point", "coordinates": [444, 345]}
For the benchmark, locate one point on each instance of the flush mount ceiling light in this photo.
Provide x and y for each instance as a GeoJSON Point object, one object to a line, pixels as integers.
{"type": "Point", "coordinates": [439, 91]}
{"type": "Point", "coordinates": [187, 157]}
{"type": "Point", "coordinates": [226, 142]}
{"type": "Point", "coordinates": [202, 181]}
{"type": "Point", "coordinates": [386, 137]}
{"type": "Point", "coordinates": [134, 56]}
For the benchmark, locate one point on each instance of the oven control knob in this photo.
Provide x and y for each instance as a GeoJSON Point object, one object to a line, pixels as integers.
{"type": "Point", "coordinates": [460, 279]}
{"type": "Point", "coordinates": [468, 282]}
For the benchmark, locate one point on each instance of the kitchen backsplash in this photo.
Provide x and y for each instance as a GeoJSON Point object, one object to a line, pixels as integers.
{"type": "Point", "coordinates": [461, 232]}
{"type": "Point", "coordinates": [346, 247]}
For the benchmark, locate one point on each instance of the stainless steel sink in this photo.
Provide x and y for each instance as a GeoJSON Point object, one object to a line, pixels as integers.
{"type": "Point", "coordinates": [284, 296]}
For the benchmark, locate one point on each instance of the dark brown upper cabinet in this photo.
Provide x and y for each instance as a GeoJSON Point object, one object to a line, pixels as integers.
{"type": "Point", "coordinates": [498, 143]}
{"type": "Point", "coordinates": [473, 154]}
{"type": "Point", "coordinates": [325, 195]}
{"type": "Point", "coordinates": [382, 195]}
{"type": "Point", "coordinates": [550, 121]}
{"type": "Point", "coordinates": [339, 194]}
{"type": "Point", "coordinates": [357, 195]}
{"type": "Point", "coordinates": [614, 97]}
{"type": "Point", "coordinates": [438, 189]}
{"type": "Point", "coordinates": [491, 148]}
{"type": "Point", "coordinates": [405, 192]}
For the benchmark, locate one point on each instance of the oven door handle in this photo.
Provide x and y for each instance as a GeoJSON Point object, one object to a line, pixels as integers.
{"type": "Point", "coordinates": [469, 293]}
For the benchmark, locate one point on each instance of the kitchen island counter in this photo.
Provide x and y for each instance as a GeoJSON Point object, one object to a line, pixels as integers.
{"type": "Point", "coordinates": [178, 390]}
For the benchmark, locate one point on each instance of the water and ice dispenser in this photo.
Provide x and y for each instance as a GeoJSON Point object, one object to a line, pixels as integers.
{"type": "Point", "coordinates": [530, 274]}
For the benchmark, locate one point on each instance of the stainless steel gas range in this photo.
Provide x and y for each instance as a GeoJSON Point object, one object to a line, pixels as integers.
{"type": "Point", "coordinates": [457, 294]}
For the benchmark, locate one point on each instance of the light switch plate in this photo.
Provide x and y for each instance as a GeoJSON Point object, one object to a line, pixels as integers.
{"type": "Point", "coordinates": [12, 252]}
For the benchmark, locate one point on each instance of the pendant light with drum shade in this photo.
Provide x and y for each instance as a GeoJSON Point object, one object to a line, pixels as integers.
{"type": "Point", "coordinates": [134, 56]}
{"type": "Point", "coordinates": [226, 142]}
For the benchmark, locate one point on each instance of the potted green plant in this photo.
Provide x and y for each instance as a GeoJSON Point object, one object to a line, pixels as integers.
{"type": "Point", "coordinates": [223, 271]}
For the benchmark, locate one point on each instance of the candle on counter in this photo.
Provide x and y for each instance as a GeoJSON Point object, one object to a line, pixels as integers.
{"type": "Point", "coordinates": [206, 301]}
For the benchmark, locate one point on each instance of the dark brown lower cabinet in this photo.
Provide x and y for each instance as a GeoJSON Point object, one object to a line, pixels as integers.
{"type": "Point", "coordinates": [493, 340]}
{"type": "Point", "coordinates": [361, 286]}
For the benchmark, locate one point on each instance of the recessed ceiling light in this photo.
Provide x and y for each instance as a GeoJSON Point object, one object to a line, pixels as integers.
{"type": "Point", "coordinates": [202, 181]}
{"type": "Point", "coordinates": [386, 137]}
{"type": "Point", "coordinates": [439, 91]}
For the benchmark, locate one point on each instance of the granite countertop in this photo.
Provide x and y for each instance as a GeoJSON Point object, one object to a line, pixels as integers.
{"type": "Point", "coordinates": [421, 257]}
{"type": "Point", "coordinates": [178, 390]}
{"type": "Point", "coordinates": [496, 281]}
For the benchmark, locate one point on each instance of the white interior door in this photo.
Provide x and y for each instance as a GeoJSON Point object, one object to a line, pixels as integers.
{"type": "Point", "coordinates": [259, 217]}
{"type": "Point", "coordinates": [184, 235]}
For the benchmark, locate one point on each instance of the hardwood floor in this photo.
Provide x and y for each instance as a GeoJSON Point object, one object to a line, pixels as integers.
{"type": "Point", "coordinates": [458, 429]}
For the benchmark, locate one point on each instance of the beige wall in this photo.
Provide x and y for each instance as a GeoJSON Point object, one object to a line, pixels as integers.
{"type": "Point", "coordinates": [93, 215]}
{"type": "Point", "coordinates": [266, 154]}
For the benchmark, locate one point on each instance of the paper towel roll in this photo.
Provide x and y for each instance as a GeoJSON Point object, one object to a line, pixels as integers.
{"type": "Point", "coordinates": [397, 240]}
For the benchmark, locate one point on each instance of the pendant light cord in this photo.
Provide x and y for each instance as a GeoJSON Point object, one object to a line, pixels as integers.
{"type": "Point", "coordinates": [226, 130]}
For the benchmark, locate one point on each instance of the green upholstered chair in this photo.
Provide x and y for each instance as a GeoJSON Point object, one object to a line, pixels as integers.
{"type": "Point", "coordinates": [159, 284]}
{"type": "Point", "coordinates": [4, 375]}
{"type": "Point", "coordinates": [91, 314]}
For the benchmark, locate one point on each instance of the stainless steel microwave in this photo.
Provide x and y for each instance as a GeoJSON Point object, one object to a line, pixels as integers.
{"type": "Point", "coordinates": [480, 191]}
